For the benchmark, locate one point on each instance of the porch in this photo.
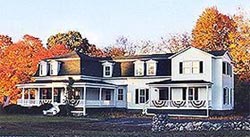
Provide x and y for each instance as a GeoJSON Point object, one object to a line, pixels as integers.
{"type": "Point", "coordinates": [87, 95]}
{"type": "Point", "coordinates": [180, 95]}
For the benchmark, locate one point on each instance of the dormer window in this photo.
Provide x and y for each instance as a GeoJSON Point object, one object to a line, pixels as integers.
{"type": "Point", "coordinates": [151, 67]}
{"type": "Point", "coordinates": [139, 68]}
{"type": "Point", "coordinates": [107, 69]}
{"type": "Point", "coordinates": [54, 67]}
{"type": "Point", "coordinates": [43, 68]}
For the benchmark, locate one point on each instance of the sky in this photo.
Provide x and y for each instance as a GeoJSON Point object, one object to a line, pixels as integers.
{"type": "Point", "coordinates": [103, 21]}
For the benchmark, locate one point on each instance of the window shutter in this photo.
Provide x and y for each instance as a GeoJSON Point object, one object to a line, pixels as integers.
{"type": "Point", "coordinates": [147, 94]}
{"type": "Point", "coordinates": [201, 66]}
{"type": "Point", "coordinates": [224, 67]}
{"type": "Point", "coordinates": [136, 96]}
{"type": "Point", "coordinates": [180, 67]}
{"type": "Point", "coordinates": [196, 92]}
{"type": "Point", "coordinates": [184, 93]}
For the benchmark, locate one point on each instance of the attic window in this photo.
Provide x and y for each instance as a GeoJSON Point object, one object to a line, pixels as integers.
{"type": "Point", "coordinates": [107, 69]}
{"type": "Point", "coordinates": [139, 68]}
{"type": "Point", "coordinates": [54, 67]}
{"type": "Point", "coordinates": [151, 67]}
{"type": "Point", "coordinates": [43, 69]}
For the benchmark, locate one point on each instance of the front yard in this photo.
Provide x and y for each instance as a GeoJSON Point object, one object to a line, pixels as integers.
{"type": "Point", "coordinates": [27, 125]}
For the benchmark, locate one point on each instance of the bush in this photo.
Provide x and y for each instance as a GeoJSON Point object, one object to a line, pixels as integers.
{"type": "Point", "coordinates": [64, 109]}
{"type": "Point", "coordinates": [16, 109]}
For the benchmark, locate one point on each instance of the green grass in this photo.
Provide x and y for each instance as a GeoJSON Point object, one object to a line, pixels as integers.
{"type": "Point", "coordinates": [27, 125]}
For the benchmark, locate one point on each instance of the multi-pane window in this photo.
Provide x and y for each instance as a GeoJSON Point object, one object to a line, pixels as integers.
{"type": "Point", "coordinates": [227, 68]}
{"type": "Point", "coordinates": [191, 67]}
{"type": "Point", "coordinates": [54, 67]}
{"type": "Point", "coordinates": [108, 95]}
{"type": "Point", "coordinates": [120, 94]}
{"type": "Point", "coordinates": [107, 70]}
{"type": "Point", "coordinates": [141, 95]}
{"type": "Point", "coordinates": [139, 68]}
{"type": "Point", "coordinates": [151, 67]}
{"type": "Point", "coordinates": [43, 68]}
{"type": "Point", "coordinates": [192, 93]}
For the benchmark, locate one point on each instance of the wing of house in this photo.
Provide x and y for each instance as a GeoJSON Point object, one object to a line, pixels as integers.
{"type": "Point", "coordinates": [190, 79]}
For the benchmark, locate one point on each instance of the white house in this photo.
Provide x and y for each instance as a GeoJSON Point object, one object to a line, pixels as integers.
{"type": "Point", "coordinates": [188, 80]}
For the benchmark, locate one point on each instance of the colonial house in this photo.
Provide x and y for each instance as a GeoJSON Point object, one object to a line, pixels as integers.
{"type": "Point", "coordinates": [188, 80]}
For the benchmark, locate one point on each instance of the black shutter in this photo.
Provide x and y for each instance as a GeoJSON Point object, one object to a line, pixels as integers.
{"type": "Point", "coordinates": [184, 93]}
{"type": "Point", "coordinates": [180, 68]}
{"type": "Point", "coordinates": [147, 94]}
{"type": "Point", "coordinates": [136, 96]}
{"type": "Point", "coordinates": [201, 66]}
{"type": "Point", "coordinates": [224, 67]}
{"type": "Point", "coordinates": [196, 94]}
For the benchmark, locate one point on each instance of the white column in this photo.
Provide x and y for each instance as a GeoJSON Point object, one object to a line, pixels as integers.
{"type": "Point", "coordinates": [100, 94]}
{"type": "Point", "coordinates": [23, 95]}
{"type": "Point", "coordinates": [115, 95]}
{"type": "Point", "coordinates": [169, 94]}
{"type": "Point", "coordinates": [52, 92]}
{"type": "Point", "coordinates": [207, 101]}
{"type": "Point", "coordinates": [187, 96]}
{"type": "Point", "coordinates": [38, 96]}
{"type": "Point", "coordinates": [85, 99]}
{"type": "Point", "coordinates": [29, 95]}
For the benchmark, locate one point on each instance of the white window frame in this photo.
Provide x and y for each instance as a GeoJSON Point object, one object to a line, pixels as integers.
{"type": "Point", "coordinates": [54, 67]}
{"type": "Point", "coordinates": [226, 96]}
{"type": "Point", "coordinates": [139, 65]}
{"type": "Point", "coordinates": [109, 65]}
{"type": "Point", "coordinates": [189, 67]}
{"type": "Point", "coordinates": [151, 63]}
{"type": "Point", "coordinates": [142, 96]}
{"type": "Point", "coordinates": [43, 69]}
{"type": "Point", "coordinates": [228, 71]}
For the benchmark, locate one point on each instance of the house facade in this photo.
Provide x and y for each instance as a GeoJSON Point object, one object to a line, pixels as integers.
{"type": "Point", "coordinates": [188, 80]}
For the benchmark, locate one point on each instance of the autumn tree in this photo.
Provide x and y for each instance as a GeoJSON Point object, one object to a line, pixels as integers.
{"type": "Point", "coordinates": [19, 62]}
{"type": "Point", "coordinates": [5, 41]}
{"type": "Point", "coordinates": [212, 30]}
{"type": "Point", "coordinates": [175, 42]}
{"type": "Point", "coordinates": [113, 51]}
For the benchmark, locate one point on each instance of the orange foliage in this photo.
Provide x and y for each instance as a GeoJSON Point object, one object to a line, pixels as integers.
{"type": "Point", "coordinates": [19, 62]}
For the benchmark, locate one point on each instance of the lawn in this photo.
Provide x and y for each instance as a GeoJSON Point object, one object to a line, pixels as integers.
{"type": "Point", "coordinates": [27, 125]}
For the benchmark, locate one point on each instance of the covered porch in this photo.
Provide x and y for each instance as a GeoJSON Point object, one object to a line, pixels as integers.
{"type": "Point", "coordinates": [179, 95]}
{"type": "Point", "coordinates": [89, 94]}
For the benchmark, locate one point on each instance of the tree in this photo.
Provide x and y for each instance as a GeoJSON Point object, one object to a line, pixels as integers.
{"type": "Point", "coordinates": [113, 51]}
{"type": "Point", "coordinates": [72, 40]}
{"type": "Point", "coordinates": [5, 41]}
{"type": "Point", "coordinates": [19, 62]}
{"type": "Point", "coordinates": [212, 30]}
{"type": "Point", "coordinates": [175, 42]}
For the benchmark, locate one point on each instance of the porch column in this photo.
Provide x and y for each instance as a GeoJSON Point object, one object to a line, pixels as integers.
{"type": "Point", "coordinates": [52, 97]}
{"type": "Point", "coordinates": [207, 101]}
{"type": "Point", "coordinates": [29, 95]}
{"type": "Point", "coordinates": [84, 101]}
{"type": "Point", "coordinates": [23, 95]}
{"type": "Point", "coordinates": [115, 91]}
{"type": "Point", "coordinates": [100, 96]}
{"type": "Point", "coordinates": [187, 96]}
{"type": "Point", "coordinates": [169, 94]}
{"type": "Point", "coordinates": [38, 96]}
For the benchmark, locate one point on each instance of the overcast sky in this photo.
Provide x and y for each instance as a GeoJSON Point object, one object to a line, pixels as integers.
{"type": "Point", "coordinates": [103, 21]}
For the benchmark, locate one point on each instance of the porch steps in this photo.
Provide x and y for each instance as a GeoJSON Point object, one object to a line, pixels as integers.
{"type": "Point", "coordinates": [79, 111]}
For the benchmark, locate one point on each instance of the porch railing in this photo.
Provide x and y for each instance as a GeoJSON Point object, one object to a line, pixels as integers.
{"type": "Point", "coordinates": [96, 103]}
{"type": "Point", "coordinates": [28, 102]}
{"type": "Point", "coordinates": [181, 104]}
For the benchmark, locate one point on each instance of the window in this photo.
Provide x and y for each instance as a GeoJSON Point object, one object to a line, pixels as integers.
{"type": "Point", "coordinates": [107, 69]}
{"type": "Point", "coordinates": [54, 67]}
{"type": "Point", "coordinates": [191, 67]}
{"type": "Point", "coordinates": [43, 68]}
{"type": "Point", "coordinates": [226, 96]}
{"type": "Point", "coordinates": [151, 67]}
{"type": "Point", "coordinates": [120, 94]}
{"type": "Point", "coordinates": [164, 94]}
{"type": "Point", "coordinates": [139, 68]}
{"type": "Point", "coordinates": [141, 95]}
{"type": "Point", "coordinates": [227, 68]}
{"type": "Point", "coordinates": [193, 93]}
{"type": "Point", "coordinates": [108, 95]}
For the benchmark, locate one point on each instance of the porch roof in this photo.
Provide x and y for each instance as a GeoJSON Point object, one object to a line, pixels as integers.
{"type": "Point", "coordinates": [171, 82]}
